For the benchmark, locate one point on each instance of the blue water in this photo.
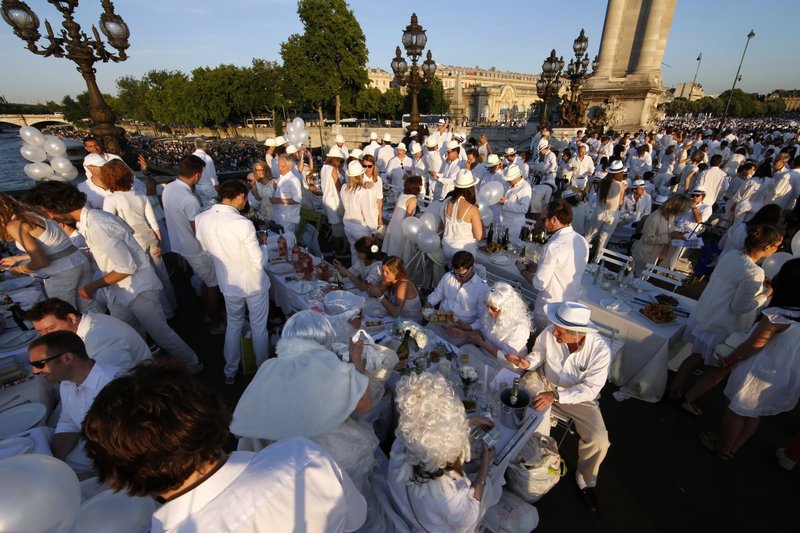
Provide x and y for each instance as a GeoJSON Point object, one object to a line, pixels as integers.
{"type": "Point", "coordinates": [12, 177]}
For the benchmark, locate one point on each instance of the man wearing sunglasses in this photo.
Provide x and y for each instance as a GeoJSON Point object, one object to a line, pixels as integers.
{"type": "Point", "coordinates": [460, 291]}
{"type": "Point", "coordinates": [60, 357]}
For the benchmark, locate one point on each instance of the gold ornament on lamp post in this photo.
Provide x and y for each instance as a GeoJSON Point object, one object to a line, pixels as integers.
{"type": "Point", "coordinates": [73, 43]}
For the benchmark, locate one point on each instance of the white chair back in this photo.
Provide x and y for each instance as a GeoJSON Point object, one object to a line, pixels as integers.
{"type": "Point", "coordinates": [615, 258]}
{"type": "Point", "coordinates": [665, 275]}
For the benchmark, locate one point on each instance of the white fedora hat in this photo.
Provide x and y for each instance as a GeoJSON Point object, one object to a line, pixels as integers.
{"type": "Point", "coordinates": [431, 142]}
{"type": "Point", "coordinates": [335, 152]}
{"type": "Point", "coordinates": [569, 193]}
{"type": "Point", "coordinates": [510, 151]}
{"type": "Point", "coordinates": [355, 169]}
{"type": "Point", "coordinates": [570, 315]}
{"type": "Point", "coordinates": [492, 161]}
{"type": "Point", "coordinates": [460, 136]}
{"type": "Point", "coordinates": [357, 153]}
{"type": "Point", "coordinates": [387, 137]}
{"type": "Point", "coordinates": [401, 146]}
{"type": "Point", "coordinates": [542, 145]}
{"type": "Point", "coordinates": [94, 160]}
{"type": "Point", "coordinates": [637, 183]}
{"type": "Point", "coordinates": [269, 142]}
{"type": "Point", "coordinates": [440, 122]}
{"type": "Point", "coordinates": [291, 149]}
{"type": "Point", "coordinates": [453, 145]}
{"type": "Point", "coordinates": [280, 141]}
{"type": "Point", "coordinates": [416, 148]}
{"type": "Point", "coordinates": [340, 139]}
{"type": "Point", "coordinates": [698, 190]}
{"type": "Point", "coordinates": [373, 136]}
{"type": "Point", "coordinates": [465, 179]}
{"type": "Point", "coordinates": [512, 172]}
{"type": "Point", "coordinates": [616, 167]}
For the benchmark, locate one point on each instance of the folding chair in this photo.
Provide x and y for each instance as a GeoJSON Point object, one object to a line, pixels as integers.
{"type": "Point", "coordinates": [560, 419]}
{"type": "Point", "coordinates": [664, 275]}
{"type": "Point", "coordinates": [622, 261]}
{"type": "Point", "coordinates": [308, 216]}
{"type": "Point", "coordinates": [610, 334]}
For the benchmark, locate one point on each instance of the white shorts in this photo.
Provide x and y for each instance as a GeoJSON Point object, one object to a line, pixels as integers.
{"type": "Point", "coordinates": [203, 267]}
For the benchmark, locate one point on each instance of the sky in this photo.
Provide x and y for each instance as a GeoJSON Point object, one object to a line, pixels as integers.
{"type": "Point", "coordinates": [513, 35]}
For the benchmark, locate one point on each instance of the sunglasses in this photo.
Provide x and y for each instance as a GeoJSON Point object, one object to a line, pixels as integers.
{"type": "Point", "coordinates": [369, 166]}
{"type": "Point", "coordinates": [40, 364]}
{"type": "Point", "coordinates": [464, 275]}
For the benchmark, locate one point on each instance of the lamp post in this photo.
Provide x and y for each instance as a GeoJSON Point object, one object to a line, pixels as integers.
{"type": "Point", "coordinates": [72, 43]}
{"type": "Point", "coordinates": [691, 89]}
{"type": "Point", "coordinates": [577, 73]}
{"type": "Point", "coordinates": [419, 76]}
{"type": "Point", "coordinates": [736, 78]}
{"type": "Point", "coordinates": [549, 82]}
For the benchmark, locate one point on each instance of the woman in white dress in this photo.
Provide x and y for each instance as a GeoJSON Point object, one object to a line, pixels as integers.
{"type": "Point", "coordinates": [729, 302]}
{"type": "Point", "coordinates": [689, 172]}
{"type": "Point", "coordinates": [260, 181]}
{"type": "Point", "coordinates": [366, 272]}
{"type": "Point", "coordinates": [610, 198]}
{"type": "Point", "coordinates": [358, 214]}
{"type": "Point", "coordinates": [137, 211]}
{"type": "Point", "coordinates": [504, 330]}
{"type": "Point", "coordinates": [463, 227]}
{"type": "Point", "coordinates": [426, 467]}
{"type": "Point", "coordinates": [395, 243]}
{"type": "Point", "coordinates": [374, 184]}
{"type": "Point", "coordinates": [331, 183]}
{"type": "Point", "coordinates": [47, 250]}
{"type": "Point", "coordinates": [402, 296]}
{"type": "Point", "coordinates": [765, 375]}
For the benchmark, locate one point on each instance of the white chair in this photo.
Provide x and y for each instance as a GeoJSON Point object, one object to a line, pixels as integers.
{"type": "Point", "coordinates": [664, 275]}
{"type": "Point", "coordinates": [559, 418]}
{"type": "Point", "coordinates": [424, 201]}
{"type": "Point", "coordinates": [615, 258]}
{"type": "Point", "coordinates": [610, 334]}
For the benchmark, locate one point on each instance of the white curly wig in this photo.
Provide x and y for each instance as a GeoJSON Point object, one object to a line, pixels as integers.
{"type": "Point", "coordinates": [433, 423]}
{"type": "Point", "coordinates": [514, 311]}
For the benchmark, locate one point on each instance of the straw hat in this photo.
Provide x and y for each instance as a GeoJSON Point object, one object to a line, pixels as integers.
{"type": "Point", "coordinates": [465, 179]}
{"type": "Point", "coordinates": [335, 152]}
{"type": "Point", "coordinates": [616, 167]}
{"type": "Point", "coordinates": [291, 149]}
{"type": "Point", "coordinates": [354, 169]}
{"type": "Point", "coordinates": [431, 142]}
{"type": "Point", "coordinates": [269, 142]}
{"type": "Point", "coordinates": [453, 145]}
{"type": "Point", "coordinates": [510, 151]}
{"type": "Point", "coordinates": [387, 137]}
{"type": "Point", "coordinates": [280, 141]}
{"type": "Point", "coordinates": [492, 161]}
{"type": "Point", "coordinates": [570, 315]}
{"type": "Point", "coordinates": [512, 172]}
{"type": "Point", "coordinates": [340, 139]}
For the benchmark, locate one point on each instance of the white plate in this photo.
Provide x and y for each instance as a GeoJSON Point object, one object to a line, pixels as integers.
{"type": "Point", "coordinates": [615, 306]}
{"type": "Point", "coordinates": [281, 268]}
{"type": "Point", "coordinates": [14, 338]}
{"type": "Point", "coordinates": [15, 446]}
{"type": "Point", "coordinates": [500, 260]}
{"type": "Point", "coordinates": [302, 287]}
{"type": "Point", "coordinates": [20, 418]}
{"type": "Point", "coordinates": [15, 284]}
{"type": "Point", "coordinates": [375, 309]}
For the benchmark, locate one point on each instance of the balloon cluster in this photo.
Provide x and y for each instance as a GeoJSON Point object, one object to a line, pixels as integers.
{"type": "Point", "coordinates": [488, 196]}
{"type": "Point", "coordinates": [46, 156]}
{"type": "Point", "coordinates": [423, 231]}
{"type": "Point", "coordinates": [296, 133]}
{"type": "Point", "coordinates": [772, 264]}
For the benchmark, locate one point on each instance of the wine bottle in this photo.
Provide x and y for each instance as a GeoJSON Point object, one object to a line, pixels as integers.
{"type": "Point", "coordinates": [490, 233]}
{"type": "Point", "coordinates": [403, 350]}
{"type": "Point", "coordinates": [598, 274]}
{"type": "Point", "coordinates": [514, 392]}
{"type": "Point", "coordinates": [16, 313]}
{"type": "Point", "coordinates": [504, 242]}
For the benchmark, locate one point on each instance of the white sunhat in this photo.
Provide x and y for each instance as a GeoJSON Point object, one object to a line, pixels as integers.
{"type": "Point", "coordinates": [354, 169]}
{"type": "Point", "coordinates": [699, 190]}
{"type": "Point", "coordinates": [340, 139]}
{"type": "Point", "coordinates": [459, 135]}
{"type": "Point", "coordinates": [542, 145]}
{"type": "Point", "coordinates": [570, 315]}
{"type": "Point", "coordinates": [387, 137]}
{"type": "Point", "coordinates": [335, 152]}
{"type": "Point", "coordinates": [94, 160]}
{"type": "Point", "coordinates": [465, 179]}
{"type": "Point", "coordinates": [357, 153]}
{"type": "Point", "coordinates": [616, 167]}
{"type": "Point", "coordinates": [453, 145]}
{"type": "Point", "coordinates": [431, 142]}
{"type": "Point", "coordinates": [440, 122]}
{"type": "Point", "coordinates": [510, 151]}
{"type": "Point", "coordinates": [373, 136]}
{"type": "Point", "coordinates": [401, 146]}
{"type": "Point", "coordinates": [416, 148]}
{"type": "Point", "coordinates": [512, 172]}
{"type": "Point", "coordinates": [637, 183]}
{"type": "Point", "coordinates": [492, 161]}
{"type": "Point", "coordinates": [270, 142]}
{"type": "Point", "coordinates": [280, 141]}
{"type": "Point", "coordinates": [569, 193]}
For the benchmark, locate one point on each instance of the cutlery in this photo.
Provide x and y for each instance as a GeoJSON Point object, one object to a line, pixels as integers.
{"type": "Point", "coordinates": [9, 401]}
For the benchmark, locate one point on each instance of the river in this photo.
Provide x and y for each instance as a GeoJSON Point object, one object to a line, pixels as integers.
{"type": "Point", "coordinates": [12, 176]}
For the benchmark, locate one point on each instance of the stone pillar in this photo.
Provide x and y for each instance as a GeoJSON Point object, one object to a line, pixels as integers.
{"type": "Point", "coordinates": [608, 45]}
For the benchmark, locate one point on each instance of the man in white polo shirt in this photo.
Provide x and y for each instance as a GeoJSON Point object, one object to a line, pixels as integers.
{"type": "Point", "coordinates": [207, 186]}
{"type": "Point", "coordinates": [288, 195]}
{"type": "Point", "coordinates": [181, 207]}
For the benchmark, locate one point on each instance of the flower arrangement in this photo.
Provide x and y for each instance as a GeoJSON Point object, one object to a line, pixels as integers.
{"type": "Point", "coordinates": [469, 376]}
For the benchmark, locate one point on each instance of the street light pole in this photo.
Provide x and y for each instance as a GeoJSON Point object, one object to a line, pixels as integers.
{"type": "Point", "coordinates": [691, 89]}
{"type": "Point", "coordinates": [419, 76]}
{"type": "Point", "coordinates": [72, 43]}
{"type": "Point", "coordinates": [736, 78]}
{"type": "Point", "coordinates": [549, 82]}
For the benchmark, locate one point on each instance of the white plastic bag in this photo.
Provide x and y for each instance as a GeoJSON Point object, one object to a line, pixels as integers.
{"type": "Point", "coordinates": [510, 515]}
{"type": "Point", "coordinates": [379, 361]}
{"type": "Point", "coordinates": [536, 469]}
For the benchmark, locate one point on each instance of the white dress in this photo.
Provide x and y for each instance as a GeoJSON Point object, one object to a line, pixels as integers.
{"type": "Point", "coordinates": [395, 243]}
{"type": "Point", "coordinates": [768, 383]}
{"type": "Point", "coordinates": [457, 232]}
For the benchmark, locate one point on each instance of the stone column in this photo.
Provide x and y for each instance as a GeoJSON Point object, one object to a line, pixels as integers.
{"type": "Point", "coordinates": [608, 44]}
{"type": "Point", "coordinates": [648, 60]}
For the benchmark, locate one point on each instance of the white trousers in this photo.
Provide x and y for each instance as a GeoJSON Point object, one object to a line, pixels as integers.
{"type": "Point", "coordinates": [64, 285]}
{"type": "Point", "coordinates": [604, 224]}
{"type": "Point", "coordinates": [258, 305]}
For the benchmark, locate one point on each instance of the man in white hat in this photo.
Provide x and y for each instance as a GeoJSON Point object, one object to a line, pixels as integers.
{"type": "Point", "coordinates": [398, 168]}
{"type": "Point", "coordinates": [433, 161]}
{"type": "Point", "coordinates": [493, 173]}
{"type": "Point", "coordinates": [605, 149]}
{"type": "Point", "coordinates": [280, 149]}
{"type": "Point", "coordinates": [460, 137]}
{"type": "Point", "coordinates": [419, 165]}
{"type": "Point", "coordinates": [450, 169]}
{"type": "Point", "coordinates": [331, 178]}
{"type": "Point", "coordinates": [541, 133]}
{"type": "Point", "coordinates": [384, 154]}
{"type": "Point", "coordinates": [546, 164]}
{"type": "Point", "coordinates": [93, 187]}
{"type": "Point", "coordinates": [638, 204]}
{"type": "Point", "coordinates": [269, 151]}
{"type": "Point", "coordinates": [288, 195]}
{"type": "Point", "coordinates": [441, 134]}
{"type": "Point", "coordinates": [572, 360]}
{"type": "Point", "coordinates": [373, 145]}
{"type": "Point", "coordinates": [515, 203]}
{"type": "Point", "coordinates": [340, 144]}
{"type": "Point", "coordinates": [513, 158]}
{"type": "Point", "coordinates": [206, 189]}
{"type": "Point", "coordinates": [582, 168]}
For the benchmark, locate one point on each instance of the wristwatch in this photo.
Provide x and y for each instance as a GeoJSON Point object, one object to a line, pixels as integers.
{"type": "Point", "coordinates": [555, 395]}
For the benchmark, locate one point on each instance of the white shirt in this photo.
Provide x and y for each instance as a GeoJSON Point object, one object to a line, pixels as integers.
{"type": "Point", "coordinates": [357, 212]}
{"type": "Point", "coordinates": [715, 182]}
{"type": "Point", "coordinates": [208, 178]}
{"type": "Point", "coordinates": [372, 274]}
{"type": "Point", "coordinates": [382, 157]}
{"type": "Point", "coordinates": [112, 342]}
{"type": "Point", "coordinates": [181, 207]}
{"type": "Point", "coordinates": [134, 209]}
{"type": "Point", "coordinates": [231, 241]}
{"type": "Point", "coordinates": [397, 169]}
{"type": "Point", "coordinates": [289, 188]}
{"type": "Point", "coordinates": [786, 188]}
{"type": "Point", "coordinates": [465, 301]}
{"type": "Point", "coordinates": [578, 377]}
{"type": "Point", "coordinates": [77, 399]}
{"type": "Point", "coordinates": [375, 193]}
{"type": "Point", "coordinates": [372, 148]}
{"type": "Point", "coordinates": [95, 195]}
{"type": "Point", "coordinates": [636, 209]}
{"type": "Point", "coordinates": [113, 247]}
{"type": "Point", "coordinates": [447, 178]}
{"type": "Point", "coordinates": [563, 260]}
{"type": "Point", "coordinates": [688, 221]}
{"type": "Point", "coordinates": [291, 485]}
{"type": "Point", "coordinates": [106, 156]}
{"type": "Point", "coordinates": [330, 195]}
{"type": "Point", "coordinates": [540, 196]}
{"type": "Point", "coordinates": [517, 199]}
{"type": "Point", "coordinates": [582, 170]}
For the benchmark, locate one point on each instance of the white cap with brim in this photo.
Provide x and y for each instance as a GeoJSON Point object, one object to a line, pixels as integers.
{"type": "Point", "coordinates": [401, 146]}
{"type": "Point", "coordinates": [637, 183]}
{"type": "Point", "coordinates": [291, 149]}
{"type": "Point", "coordinates": [572, 316]}
{"type": "Point", "coordinates": [453, 145]}
{"type": "Point", "coordinates": [616, 167]}
{"type": "Point", "coordinates": [416, 148]}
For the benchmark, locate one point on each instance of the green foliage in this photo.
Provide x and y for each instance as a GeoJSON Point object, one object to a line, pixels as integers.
{"type": "Point", "coordinates": [328, 59]}
{"type": "Point", "coordinates": [392, 103]}
{"type": "Point", "coordinates": [29, 109]}
{"type": "Point", "coordinates": [131, 99]}
{"type": "Point", "coordinates": [77, 108]}
{"type": "Point", "coordinates": [431, 99]}
{"type": "Point", "coordinates": [742, 104]}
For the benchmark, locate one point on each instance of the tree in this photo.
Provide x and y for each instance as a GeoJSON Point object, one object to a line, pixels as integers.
{"type": "Point", "coordinates": [392, 103]}
{"type": "Point", "coordinates": [368, 102]}
{"type": "Point", "coordinates": [131, 99]}
{"type": "Point", "coordinates": [259, 90]}
{"type": "Point", "coordinates": [328, 60]}
{"type": "Point", "coordinates": [77, 108]}
{"type": "Point", "coordinates": [431, 99]}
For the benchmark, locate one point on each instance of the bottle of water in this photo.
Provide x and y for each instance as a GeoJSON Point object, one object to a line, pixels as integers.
{"type": "Point", "coordinates": [598, 274]}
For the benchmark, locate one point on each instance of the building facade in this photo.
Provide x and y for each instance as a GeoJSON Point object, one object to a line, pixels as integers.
{"type": "Point", "coordinates": [685, 90]}
{"type": "Point", "coordinates": [790, 98]}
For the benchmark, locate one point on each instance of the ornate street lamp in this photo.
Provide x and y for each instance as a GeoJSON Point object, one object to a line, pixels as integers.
{"type": "Point", "coordinates": [577, 73]}
{"type": "Point", "coordinates": [414, 40]}
{"type": "Point", "coordinates": [549, 82]}
{"type": "Point", "coordinates": [72, 43]}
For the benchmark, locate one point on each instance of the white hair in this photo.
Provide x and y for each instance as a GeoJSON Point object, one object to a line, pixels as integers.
{"type": "Point", "coordinates": [432, 424]}
{"type": "Point", "coordinates": [309, 325]}
{"type": "Point", "coordinates": [514, 311]}
{"type": "Point", "coordinates": [200, 143]}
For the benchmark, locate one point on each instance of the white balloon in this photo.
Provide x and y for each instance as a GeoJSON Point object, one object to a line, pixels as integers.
{"type": "Point", "coordinates": [31, 135]}
{"type": "Point", "coordinates": [796, 244]}
{"type": "Point", "coordinates": [38, 493]}
{"type": "Point", "coordinates": [486, 215]}
{"type": "Point", "coordinates": [61, 164]}
{"type": "Point", "coordinates": [70, 175]}
{"type": "Point", "coordinates": [101, 514]}
{"type": "Point", "coordinates": [427, 240]}
{"type": "Point", "coordinates": [430, 221]}
{"type": "Point", "coordinates": [291, 128]}
{"type": "Point", "coordinates": [33, 153]}
{"type": "Point", "coordinates": [491, 193]}
{"type": "Point", "coordinates": [772, 264]}
{"type": "Point", "coordinates": [410, 227]}
{"type": "Point", "coordinates": [54, 146]}
{"type": "Point", "coordinates": [39, 171]}
{"type": "Point", "coordinates": [299, 123]}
